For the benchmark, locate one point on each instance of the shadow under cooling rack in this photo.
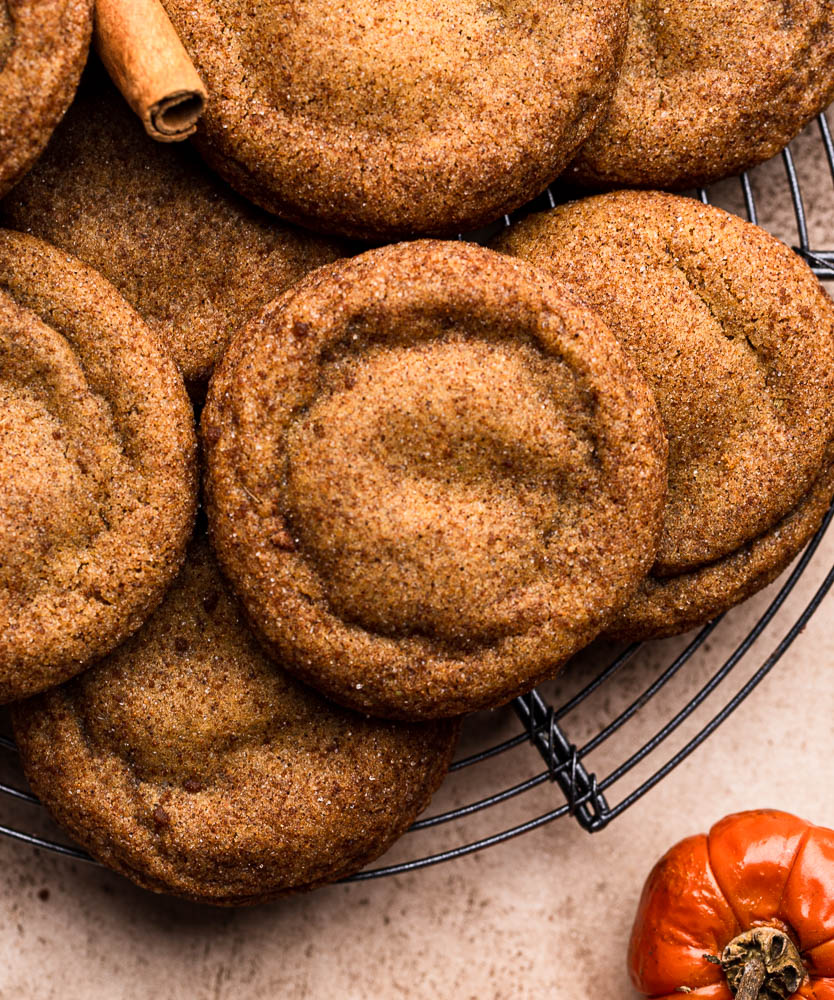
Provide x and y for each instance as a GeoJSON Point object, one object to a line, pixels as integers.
{"type": "Point", "coordinates": [591, 744]}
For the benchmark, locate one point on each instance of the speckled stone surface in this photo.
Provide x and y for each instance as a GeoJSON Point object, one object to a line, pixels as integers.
{"type": "Point", "coordinates": [547, 915]}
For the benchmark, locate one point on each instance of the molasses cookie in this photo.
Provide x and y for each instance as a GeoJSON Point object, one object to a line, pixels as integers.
{"type": "Point", "coordinates": [97, 467]}
{"type": "Point", "coordinates": [431, 478]}
{"type": "Point", "coordinates": [43, 46]}
{"type": "Point", "coordinates": [710, 89]}
{"type": "Point", "coordinates": [385, 118]}
{"type": "Point", "coordinates": [193, 765]}
{"type": "Point", "coordinates": [736, 338]}
{"type": "Point", "coordinates": [670, 605]}
{"type": "Point", "coordinates": [190, 255]}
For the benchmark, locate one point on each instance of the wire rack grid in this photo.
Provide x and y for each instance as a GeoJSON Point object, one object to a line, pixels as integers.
{"type": "Point", "coordinates": [560, 764]}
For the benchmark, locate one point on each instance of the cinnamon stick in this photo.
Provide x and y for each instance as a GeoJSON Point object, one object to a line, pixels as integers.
{"type": "Point", "coordinates": [148, 63]}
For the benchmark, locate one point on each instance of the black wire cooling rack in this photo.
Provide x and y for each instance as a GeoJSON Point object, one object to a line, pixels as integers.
{"type": "Point", "coordinates": [560, 764]}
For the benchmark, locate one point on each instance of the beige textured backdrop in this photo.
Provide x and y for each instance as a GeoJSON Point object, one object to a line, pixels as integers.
{"type": "Point", "coordinates": [545, 915]}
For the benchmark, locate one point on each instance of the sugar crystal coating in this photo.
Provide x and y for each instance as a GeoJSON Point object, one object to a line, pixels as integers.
{"type": "Point", "coordinates": [431, 478]}
{"type": "Point", "coordinates": [43, 47]}
{"type": "Point", "coordinates": [387, 118]}
{"type": "Point", "coordinates": [191, 256]}
{"type": "Point", "coordinates": [193, 765]}
{"type": "Point", "coordinates": [710, 89]}
{"type": "Point", "coordinates": [97, 467]}
{"type": "Point", "coordinates": [736, 338]}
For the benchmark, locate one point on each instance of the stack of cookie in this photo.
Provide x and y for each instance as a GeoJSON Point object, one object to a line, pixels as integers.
{"type": "Point", "coordinates": [431, 471]}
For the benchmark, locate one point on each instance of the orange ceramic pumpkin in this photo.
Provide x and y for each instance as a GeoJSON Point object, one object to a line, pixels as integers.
{"type": "Point", "coordinates": [746, 911]}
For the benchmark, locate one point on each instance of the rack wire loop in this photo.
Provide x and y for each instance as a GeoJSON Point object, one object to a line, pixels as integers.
{"type": "Point", "coordinates": [543, 734]}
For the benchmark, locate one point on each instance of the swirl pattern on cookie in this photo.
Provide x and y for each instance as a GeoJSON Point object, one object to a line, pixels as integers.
{"type": "Point", "coordinates": [431, 478]}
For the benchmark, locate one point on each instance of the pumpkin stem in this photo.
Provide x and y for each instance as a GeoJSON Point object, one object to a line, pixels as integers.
{"type": "Point", "coordinates": [762, 964]}
{"type": "Point", "coordinates": [752, 978]}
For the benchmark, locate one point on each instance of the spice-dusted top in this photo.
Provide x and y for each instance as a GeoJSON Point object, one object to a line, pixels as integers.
{"type": "Point", "coordinates": [385, 118]}
{"type": "Point", "coordinates": [431, 477]}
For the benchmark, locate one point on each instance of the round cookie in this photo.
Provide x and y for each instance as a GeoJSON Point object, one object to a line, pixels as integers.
{"type": "Point", "coordinates": [431, 478]}
{"type": "Point", "coordinates": [665, 606]}
{"type": "Point", "coordinates": [190, 255]}
{"type": "Point", "coordinates": [43, 46]}
{"type": "Point", "coordinates": [710, 89]}
{"type": "Point", "coordinates": [97, 467]}
{"type": "Point", "coordinates": [736, 338]}
{"type": "Point", "coordinates": [193, 765]}
{"type": "Point", "coordinates": [387, 118]}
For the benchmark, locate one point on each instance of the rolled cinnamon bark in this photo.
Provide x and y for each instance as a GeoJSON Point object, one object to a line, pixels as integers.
{"type": "Point", "coordinates": [148, 63]}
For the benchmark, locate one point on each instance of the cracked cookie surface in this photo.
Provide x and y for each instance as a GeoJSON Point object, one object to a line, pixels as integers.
{"type": "Point", "coordinates": [736, 339]}
{"type": "Point", "coordinates": [431, 478]}
{"type": "Point", "coordinates": [193, 765]}
{"type": "Point", "coordinates": [97, 467]}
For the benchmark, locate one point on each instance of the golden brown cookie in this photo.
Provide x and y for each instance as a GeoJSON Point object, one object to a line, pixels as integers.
{"type": "Point", "coordinates": [709, 89]}
{"type": "Point", "coordinates": [665, 606]}
{"type": "Point", "coordinates": [386, 118]}
{"type": "Point", "coordinates": [190, 255]}
{"type": "Point", "coordinates": [97, 467]}
{"type": "Point", "coordinates": [43, 46]}
{"type": "Point", "coordinates": [193, 765]}
{"type": "Point", "coordinates": [431, 478]}
{"type": "Point", "coordinates": [736, 338]}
